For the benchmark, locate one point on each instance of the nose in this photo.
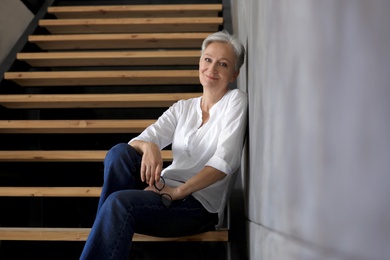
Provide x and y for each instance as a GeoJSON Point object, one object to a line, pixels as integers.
{"type": "Point", "coordinates": [213, 67]}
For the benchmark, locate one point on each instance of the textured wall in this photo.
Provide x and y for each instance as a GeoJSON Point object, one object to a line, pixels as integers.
{"type": "Point", "coordinates": [14, 18]}
{"type": "Point", "coordinates": [317, 179]}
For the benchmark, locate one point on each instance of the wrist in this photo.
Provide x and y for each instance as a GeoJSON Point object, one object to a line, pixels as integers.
{"type": "Point", "coordinates": [182, 191]}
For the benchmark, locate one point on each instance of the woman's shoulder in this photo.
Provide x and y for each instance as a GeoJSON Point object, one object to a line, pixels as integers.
{"type": "Point", "coordinates": [238, 96]}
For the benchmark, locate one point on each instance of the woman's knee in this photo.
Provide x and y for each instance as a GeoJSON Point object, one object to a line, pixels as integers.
{"type": "Point", "coordinates": [121, 167]}
{"type": "Point", "coordinates": [118, 150]}
{"type": "Point", "coordinates": [122, 151]}
{"type": "Point", "coordinates": [116, 203]}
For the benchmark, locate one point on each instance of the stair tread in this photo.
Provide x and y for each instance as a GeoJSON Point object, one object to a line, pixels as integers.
{"type": "Point", "coordinates": [111, 58]}
{"type": "Point", "coordinates": [132, 25]}
{"type": "Point", "coordinates": [62, 155]}
{"type": "Point", "coordinates": [124, 41]}
{"type": "Point", "coordinates": [81, 234]}
{"type": "Point", "coordinates": [50, 191]}
{"type": "Point", "coordinates": [92, 100]}
{"type": "Point", "coordinates": [99, 78]}
{"type": "Point", "coordinates": [74, 126]}
{"type": "Point", "coordinates": [108, 11]}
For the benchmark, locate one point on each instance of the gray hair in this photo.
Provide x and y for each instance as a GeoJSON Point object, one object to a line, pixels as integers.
{"type": "Point", "coordinates": [225, 37]}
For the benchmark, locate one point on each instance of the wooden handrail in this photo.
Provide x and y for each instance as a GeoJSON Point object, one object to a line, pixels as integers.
{"type": "Point", "coordinates": [111, 58]}
{"type": "Point", "coordinates": [117, 11]}
{"type": "Point", "coordinates": [93, 100]}
{"type": "Point", "coordinates": [132, 25]}
{"type": "Point", "coordinates": [62, 155]}
{"type": "Point", "coordinates": [101, 78]}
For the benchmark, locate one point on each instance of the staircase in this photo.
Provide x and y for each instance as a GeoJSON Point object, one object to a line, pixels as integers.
{"type": "Point", "coordinates": [89, 78]}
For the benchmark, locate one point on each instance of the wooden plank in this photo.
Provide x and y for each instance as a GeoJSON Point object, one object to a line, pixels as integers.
{"type": "Point", "coordinates": [211, 236]}
{"type": "Point", "coordinates": [118, 11]}
{"type": "Point", "coordinates": [63, 156]}
{"type": "Point", "coordinates": [44, 234]}
{"type": "Point", "coordinates": [72, 126]}
{"type": "Point", "coordinates": [101, 78]}
{"type": "Point", "coordinates": [132, 25]}
{"type": "Point", "coordinates": [93, 100]}
{"type": "Point", "coordinates": [122, 41]}
{"type": "Point", "coordinates": [81, 234]}
{"type": "Point", "coordinates": [111, 58]}
{"type": "Point", "coordinates": [50, 191]}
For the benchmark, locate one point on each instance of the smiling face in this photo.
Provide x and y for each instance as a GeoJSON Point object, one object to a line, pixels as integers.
{"type": "Point", "coordinates": [217, 66]}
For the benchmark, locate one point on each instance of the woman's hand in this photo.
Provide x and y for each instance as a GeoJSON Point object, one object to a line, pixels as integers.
{"type": "Point", "coordinates": [151, 164]}
{"type": "Point", "coordinates": [171, 191]}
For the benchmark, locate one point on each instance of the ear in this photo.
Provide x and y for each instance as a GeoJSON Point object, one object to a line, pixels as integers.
{"type": "Point", "coordinates": [235, 75]}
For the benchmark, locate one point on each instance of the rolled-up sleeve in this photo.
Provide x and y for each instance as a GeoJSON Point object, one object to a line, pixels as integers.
{"type": "Point", "coordinates": [227, 156]}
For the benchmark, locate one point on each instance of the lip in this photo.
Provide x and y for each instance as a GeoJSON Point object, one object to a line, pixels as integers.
{"type": "Point", "coordinates": [211, 77]}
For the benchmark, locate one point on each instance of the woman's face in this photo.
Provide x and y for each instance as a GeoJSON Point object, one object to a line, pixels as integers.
{"type": "Point", "coordinates": [216, 65]}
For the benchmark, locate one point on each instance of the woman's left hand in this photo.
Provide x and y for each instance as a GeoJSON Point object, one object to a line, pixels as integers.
{"type": "Point", "coordinates": [171, 191]}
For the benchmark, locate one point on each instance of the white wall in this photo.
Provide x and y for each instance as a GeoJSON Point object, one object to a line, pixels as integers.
{"type": "Point", "coordinates": [317, 177]}
{"type": "Point", "coordinates": [14, 18]}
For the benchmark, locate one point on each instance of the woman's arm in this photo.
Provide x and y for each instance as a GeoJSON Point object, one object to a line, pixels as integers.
{"type": "Point", "coordinates": [206, 177]}
{"type": "Point", "coordinates": [152, 163]}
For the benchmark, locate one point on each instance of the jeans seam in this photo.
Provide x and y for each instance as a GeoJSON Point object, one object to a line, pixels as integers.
{"type": "Point", "coordinates": [121, 232]}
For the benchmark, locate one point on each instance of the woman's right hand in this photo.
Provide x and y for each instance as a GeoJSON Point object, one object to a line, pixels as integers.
{"type": "Point", "coordinates": [152, 163]}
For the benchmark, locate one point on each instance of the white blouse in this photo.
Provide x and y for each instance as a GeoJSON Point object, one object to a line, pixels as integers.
{"type": "Point", "coordinates": [218, 143]}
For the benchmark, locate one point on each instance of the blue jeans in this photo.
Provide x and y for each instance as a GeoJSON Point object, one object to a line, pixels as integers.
{"type": "Point", "coordinates": [125, 208]}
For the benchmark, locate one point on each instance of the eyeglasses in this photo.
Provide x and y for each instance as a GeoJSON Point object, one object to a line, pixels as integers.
{"type": "Point", "coordinates": [166, 199]}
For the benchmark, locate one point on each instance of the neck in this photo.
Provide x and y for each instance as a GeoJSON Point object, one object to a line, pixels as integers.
{"type": "Point", "coordinates": [210, 98]}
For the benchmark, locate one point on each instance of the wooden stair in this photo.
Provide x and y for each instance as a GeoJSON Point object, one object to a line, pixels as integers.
{"type": "Point", "coordinates": [81, 234]}
{"type": "Point", "coordinates": [138, 11]}
{"type": "Point", "coordinates": [114, 100]}
{"type": "Point", "coordinates": [62, 156]}
{"type": "Point", "coordinates": [123, 41]}
{"type": "Point", "coordinates": [94, 58]}
{"type": "Point", "coordinates": [99, 78]}
{"type": "Point", "coordinates": [73, 126]}
{"type": "Point", "coordinates": [132, 25]}
{"type": "Point", "coordinates": [110, 58]}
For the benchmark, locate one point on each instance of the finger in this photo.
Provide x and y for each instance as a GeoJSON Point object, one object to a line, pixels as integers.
{"type": "Point", "coordinates": [151, 179]}
{"type": "Point", "coordinates": [143, 172]}
{"type": "Point", "coordinates": [151, 176]}
{"type": "Point", "coordinates": [157, 173]}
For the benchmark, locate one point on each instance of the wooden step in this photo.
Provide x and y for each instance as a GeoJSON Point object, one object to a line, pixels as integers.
{"type": "Point", "coordinates": [63, 156]}
{"type": "Point", "coordinates": [132, 25]}
{"type": "Point", "coordinates": [72, 126]}
{"type": "Point", "coordinates": [50, 191]}
{"type": "Point", "coordinates": [125, 11]}
{"type": "Point", "coordinates": [93, 100]}
{"type": "Point", "coordinates": [104, 78]}
{"type": "Point", "coordinates": [113, 58]}
{"type": "Point", "coordinates": [81, 234]}
{"type": "Point", "coordinates": [122, 41]}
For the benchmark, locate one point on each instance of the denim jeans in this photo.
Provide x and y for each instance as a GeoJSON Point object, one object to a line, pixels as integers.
{"type": "Point", "coordinates": [125, 208]}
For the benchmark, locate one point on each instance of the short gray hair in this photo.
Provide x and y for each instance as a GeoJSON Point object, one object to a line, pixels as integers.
{"type": "Point", "coordinates": [225, 37]}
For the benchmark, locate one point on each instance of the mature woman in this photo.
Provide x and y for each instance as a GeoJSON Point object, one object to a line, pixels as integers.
{"type": "Point", "coordinates": [189, 196]}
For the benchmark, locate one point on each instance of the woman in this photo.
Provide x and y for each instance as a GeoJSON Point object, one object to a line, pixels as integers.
{"type": "Point", "coordinates": [189, 196]}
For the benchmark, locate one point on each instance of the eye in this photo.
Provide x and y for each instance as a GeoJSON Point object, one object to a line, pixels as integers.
{"type": "Point", "coordinates": [223, 64]}
{"type": "Point", "coordinates": [207, 59]}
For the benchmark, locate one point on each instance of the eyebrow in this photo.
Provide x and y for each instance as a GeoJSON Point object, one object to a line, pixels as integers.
{"type": "Point", "coordinates": [223, 59]}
